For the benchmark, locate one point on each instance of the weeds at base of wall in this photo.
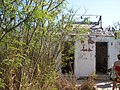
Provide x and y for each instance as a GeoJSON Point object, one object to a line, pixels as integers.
{"type": "Point", "coordinates": [69, 82]}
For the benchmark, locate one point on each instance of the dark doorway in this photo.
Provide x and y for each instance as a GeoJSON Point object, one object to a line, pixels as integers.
{"type": "Point", "coordinates": [101, 57]}
{"type": "Point", "coordinates": [68, 58]}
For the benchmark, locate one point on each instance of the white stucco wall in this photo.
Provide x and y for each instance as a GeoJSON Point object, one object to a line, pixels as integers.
{"type": "Point", "coordinates": [85, 60]}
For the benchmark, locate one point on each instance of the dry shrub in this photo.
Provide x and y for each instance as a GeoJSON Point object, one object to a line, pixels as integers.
{"type": "Point", "coordinates": [89, 84]}
{"type": "Point", "coordinates": [66, 83]}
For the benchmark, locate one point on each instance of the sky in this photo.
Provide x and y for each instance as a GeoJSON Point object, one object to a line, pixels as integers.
{"type": "Point", "coordinates": [108, 9]}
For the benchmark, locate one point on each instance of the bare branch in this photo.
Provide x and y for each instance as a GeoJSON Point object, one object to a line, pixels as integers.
{"type": "Point", "coordinates": [51, 1]}
{"type": "Point", "coordinates": [56, 6]}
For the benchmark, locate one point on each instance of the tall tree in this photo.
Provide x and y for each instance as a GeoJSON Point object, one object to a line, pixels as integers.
{"type": "Point", "coordinates": [32, 36]}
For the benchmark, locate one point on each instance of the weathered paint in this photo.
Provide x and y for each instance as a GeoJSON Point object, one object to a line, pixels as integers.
{"type": "Point", "coordinates": [85, 54]}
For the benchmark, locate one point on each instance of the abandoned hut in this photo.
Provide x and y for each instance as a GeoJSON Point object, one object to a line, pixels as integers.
{"type": "Point", "coordinates": [95, 54]}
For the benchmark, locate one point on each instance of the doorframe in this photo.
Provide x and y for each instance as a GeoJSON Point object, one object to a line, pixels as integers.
{"type": "Point", "coordinates": [106, 67]}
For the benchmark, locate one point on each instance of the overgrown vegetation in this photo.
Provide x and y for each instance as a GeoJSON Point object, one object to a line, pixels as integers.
{"type": "Point", "coordinates": [31, 38]}
{"type": "Point", "coordinates": [32, 34]}
{"type": "Point", "coordinates": [117, 34]}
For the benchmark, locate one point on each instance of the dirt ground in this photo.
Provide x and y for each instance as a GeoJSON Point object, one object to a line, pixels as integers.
{"type": "Point", "coordinates": [102, 82]}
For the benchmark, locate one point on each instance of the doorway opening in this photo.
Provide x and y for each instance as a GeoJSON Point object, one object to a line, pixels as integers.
{"type": "Point", "coordinates": [101, 57]}
{"type": "Point", "coordinates": [68, 58]}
